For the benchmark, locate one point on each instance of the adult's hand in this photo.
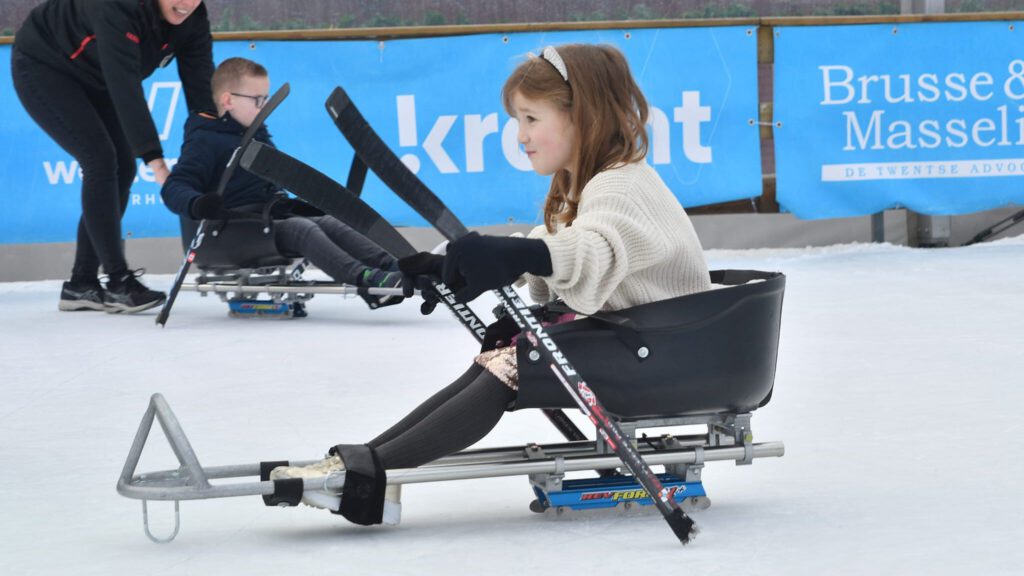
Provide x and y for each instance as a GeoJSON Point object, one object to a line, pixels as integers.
{"type": "Point", "coordinates": [160, 170]}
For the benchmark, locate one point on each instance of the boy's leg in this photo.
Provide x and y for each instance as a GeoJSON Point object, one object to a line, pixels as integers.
{"type": "Point", "coordinates": [303, 236]}
{"type": "Point", "coordinates": [354, 243]}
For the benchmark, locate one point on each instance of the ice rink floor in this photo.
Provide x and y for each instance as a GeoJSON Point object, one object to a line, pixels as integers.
{"type": "Point", "coordinates": [898, 396]}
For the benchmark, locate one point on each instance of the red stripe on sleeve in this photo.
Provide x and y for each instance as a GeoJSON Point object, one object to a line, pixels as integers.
{"type": "Point", "coordinates": [81, 47]}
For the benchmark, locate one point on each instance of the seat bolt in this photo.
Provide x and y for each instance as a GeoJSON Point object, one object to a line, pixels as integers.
{"type": "Point", "coordinates": [643, 352]}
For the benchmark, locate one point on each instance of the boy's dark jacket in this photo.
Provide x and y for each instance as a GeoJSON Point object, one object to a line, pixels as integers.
{"type": "Point", "coordinates": [209, 143]}
{"type": "Point", "coordinates": [112, 45]}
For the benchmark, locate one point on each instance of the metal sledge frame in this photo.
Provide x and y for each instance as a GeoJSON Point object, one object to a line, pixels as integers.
{"type": "Point", "coordinates": [728, 438]}
{"type": "Point", "coordinates": [284, 287]}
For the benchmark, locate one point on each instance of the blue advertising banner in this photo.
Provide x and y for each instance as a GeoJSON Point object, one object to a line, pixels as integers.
{"type": "Point", "coordinates": [436, 102]}
{"type": "Point", "coordinates": [924, 116]}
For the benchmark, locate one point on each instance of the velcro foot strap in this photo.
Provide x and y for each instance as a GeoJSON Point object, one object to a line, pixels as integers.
{"type": "Point", "coordinates": [372, 301]}
{"type": "Point", "coordinates": [362, 496]}
{"type": "Point", "coordinates": [287, 492]}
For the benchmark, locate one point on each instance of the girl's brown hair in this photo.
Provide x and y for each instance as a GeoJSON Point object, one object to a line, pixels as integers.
{"type": "Point", "coordinates": [605, 106]}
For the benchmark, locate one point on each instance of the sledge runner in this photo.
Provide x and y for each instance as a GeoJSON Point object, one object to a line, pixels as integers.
{"type": "Point", "coordinates": [614, 237]}
{"type": "Point", "coordinates": [240, 89]}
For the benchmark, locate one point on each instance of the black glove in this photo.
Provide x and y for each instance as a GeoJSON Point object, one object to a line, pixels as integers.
{"type": "Point", "coordinates": [207, 207]}
{"type": "Point", "coordinates": [501, 332]}
{"type": "Point", "coordinates": [419, 272]}
{"type": "Point", "coordinates": [475, 263]}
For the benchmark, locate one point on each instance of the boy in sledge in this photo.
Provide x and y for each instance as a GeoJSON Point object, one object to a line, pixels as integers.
{"type": "Point", "coordinates": [241, 88]}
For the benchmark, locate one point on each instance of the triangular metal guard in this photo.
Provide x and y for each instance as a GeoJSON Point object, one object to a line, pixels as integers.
{"type": "Point", "coordinates": [159, 409]}
{"type": "Point", "coordinates": [192, 474]}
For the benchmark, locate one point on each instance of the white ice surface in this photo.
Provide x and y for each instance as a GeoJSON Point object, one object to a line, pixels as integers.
{"type": "Point", "coordinates": [898, 396]}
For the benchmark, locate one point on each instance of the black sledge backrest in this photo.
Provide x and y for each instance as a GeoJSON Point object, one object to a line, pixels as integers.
{"type": "Point", "coordinates": [709, 352]}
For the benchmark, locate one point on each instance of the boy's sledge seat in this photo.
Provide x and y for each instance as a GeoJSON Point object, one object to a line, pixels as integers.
{"type": "Point", "coordinates": [235, 243]}
{"type": "Point", "coordinates": [707, 353]}
{"type": "Point", "coordinates": [238, 259]}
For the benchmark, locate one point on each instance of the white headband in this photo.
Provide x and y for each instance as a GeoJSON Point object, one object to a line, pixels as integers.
{"type": "Point", "coordinates": [552, 56]}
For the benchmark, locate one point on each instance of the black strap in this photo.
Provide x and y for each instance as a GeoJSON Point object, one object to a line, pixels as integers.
{"type": "Point", "coordinates": [362, 496]}
{"type": "Point", "coordinates": [740, 277]}
{"type": "Point", "coordinates": [245, 212]}
{"type": "Point", "coordinates": [626, 330]}
{"type": "Point", "coordinates": [267, 216]}
{"type": "Point", "coordinates": [267, 467]}
{"type": "Point", "coordinates": [287, 492]}
{"type": "Point", "coordinates": [559, 307]}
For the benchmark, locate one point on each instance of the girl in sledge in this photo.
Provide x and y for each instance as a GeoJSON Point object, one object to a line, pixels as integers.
{"type": "Point", "coordinates": [614, 236]}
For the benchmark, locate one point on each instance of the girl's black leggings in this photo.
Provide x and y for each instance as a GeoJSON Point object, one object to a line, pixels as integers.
{"type": "Point", "coordinates": [454, 418]}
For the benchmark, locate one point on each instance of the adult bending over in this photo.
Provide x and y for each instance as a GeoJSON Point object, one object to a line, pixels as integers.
{"type": "Point", "coordinates": [78, 67]}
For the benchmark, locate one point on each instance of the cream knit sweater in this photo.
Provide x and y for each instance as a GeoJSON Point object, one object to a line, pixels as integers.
{"type": "Point", "coordinates": [631, 243]}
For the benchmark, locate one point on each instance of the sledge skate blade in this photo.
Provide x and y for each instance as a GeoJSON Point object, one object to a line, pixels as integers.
{"type": "Point", "coordinates": [620, 493]}
{"type": "Point", "coordinates": [238, 308]}
{"type": "Point", "coordinates": [689, 505]}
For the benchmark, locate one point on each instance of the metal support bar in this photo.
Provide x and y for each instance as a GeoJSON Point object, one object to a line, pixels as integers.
{"type": "Point", "coordinates": [191, 480]}
{"type": "Point", "coordinates": [138, 488]}
{"type": "Point", "coordinates": [289, 289]}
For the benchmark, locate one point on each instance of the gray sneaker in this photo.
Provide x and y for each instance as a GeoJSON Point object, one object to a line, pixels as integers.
{"type": "Point", "coordinates": [76, 296]}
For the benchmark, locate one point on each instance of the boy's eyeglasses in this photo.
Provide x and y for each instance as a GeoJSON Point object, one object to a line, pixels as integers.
{"type": "Point", "coordinates": [260, 100]}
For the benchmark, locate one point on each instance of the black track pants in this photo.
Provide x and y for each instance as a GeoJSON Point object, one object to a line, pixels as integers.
{"type": "Point", "coordinates": [85, 124]}
{"type": "Point", "coordinates": [331, 245]}
{"type": "Point", "coordinates": [451, 420]}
